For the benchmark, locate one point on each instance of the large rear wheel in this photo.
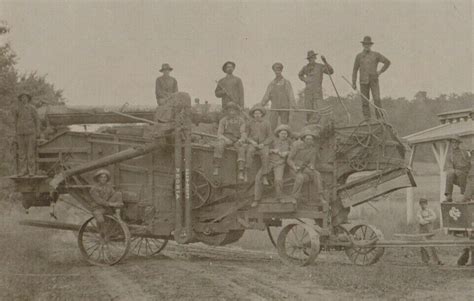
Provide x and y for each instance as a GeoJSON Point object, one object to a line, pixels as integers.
{"type": "Point", "coordinates": [298, 244]}
{"type": "Point", "coordinates": [104, 244]}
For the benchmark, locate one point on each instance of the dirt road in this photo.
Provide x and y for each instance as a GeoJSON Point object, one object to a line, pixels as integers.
{"type": "Point", "coordinates": [46, 265]}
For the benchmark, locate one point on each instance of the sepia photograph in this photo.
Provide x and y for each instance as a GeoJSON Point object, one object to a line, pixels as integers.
{"type": "Point", "coordinates": [236, 150]}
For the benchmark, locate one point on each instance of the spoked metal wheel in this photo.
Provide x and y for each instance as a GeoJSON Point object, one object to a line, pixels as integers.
{"type": "Point", "coordinates": [298, 244]}
{"type": "Point", "coordinates": [364, 255]}
{"type": "Point", "coordinates": [201, 189]}
{"type": "Point", "coordinates": [106, 244]}
{"type": "Point", "coordinates": [147, 246]}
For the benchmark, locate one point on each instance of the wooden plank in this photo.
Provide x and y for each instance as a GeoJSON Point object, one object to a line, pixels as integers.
{"type": "Point", "coordinates": [55, 150]}
{"type": "Point", "coordinates": [276, 207]}
{"type": "Point", "coordinates": [352, 197]}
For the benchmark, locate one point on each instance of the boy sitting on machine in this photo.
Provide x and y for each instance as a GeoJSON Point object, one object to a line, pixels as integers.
{"type": "Point", "coordinates": [105, 199]}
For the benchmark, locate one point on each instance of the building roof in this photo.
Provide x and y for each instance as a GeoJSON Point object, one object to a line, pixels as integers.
{"type": "Point", "coordinates": [464, 129]}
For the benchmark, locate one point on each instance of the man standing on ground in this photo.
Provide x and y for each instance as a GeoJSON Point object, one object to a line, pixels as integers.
{"type": "Point", "coordinates": [165, 84]}
{"type": "Point", "coordinates": [230, 88]}
{"type": "Point", "coordinates": [280, 93]}
{"type": "Point", "coordinates": [367, 62]}
{"type": "Point", "coordinates": [457, 166]}
{"type": "Point", "coordinates": [27, 126]}
{"type": "Point", "coordinates": [426, 218]}
{"type": "Point", "coordinates": [312, 75]}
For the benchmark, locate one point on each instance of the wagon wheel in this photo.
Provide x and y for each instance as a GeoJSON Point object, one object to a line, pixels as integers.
{"type": "Point", "coordinates": [298, 244]}
{"type": "Point", "coordinates": [201, 189]}
{"type": "Point", "coordinates": [147, 246]}
{"type": "Point", "coordinates": [364, 255]}
{"type": "Point", "coordinates": [106, 246]}
{"type": "Point", "coordinates": [365, 138]}
{"type": "Point", "coordinates": [358, 163]}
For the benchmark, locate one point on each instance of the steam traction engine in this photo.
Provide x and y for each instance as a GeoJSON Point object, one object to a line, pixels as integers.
{"type": "Point", "coordinates": [164, 171]}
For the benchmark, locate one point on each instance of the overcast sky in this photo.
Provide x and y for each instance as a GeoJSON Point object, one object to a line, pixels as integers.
{"type": "Point", "coordinates": [104, 52]}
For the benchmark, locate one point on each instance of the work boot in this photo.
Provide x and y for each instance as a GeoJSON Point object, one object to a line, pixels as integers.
{"type": "Point", "coordinates": [216, 171]}
{"type": "Point", "coordinates": [241, 176]}
{"type": "Point", "coordinates": [265, 181]}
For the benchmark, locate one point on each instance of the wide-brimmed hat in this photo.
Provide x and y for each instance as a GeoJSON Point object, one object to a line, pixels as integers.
{"type": "Point", "coordinates": [277, 65]}
{"type": "Point", "coordinates": [257, 108]}
{"type": "Point", "coordinates": [367, 40]}
{"type": "Point", "coordinates": [282, 127]}
{"type": "Point", "coordinates": [102, 172]}
{"type": "Point", "coordinates": [455, 138]}
{"type": "Point", "coordinates": [24, 94]}
{"type": "Point", "coordinates": [311, 54]}
{"type": "Point", "coordinates": [232, 105]}
{"type": "Point", "coordinates": [165, 67]}
{"type": "Point", "coordinates": [307, 132]}
{"type": "Point", "coordinates": [226, 63]}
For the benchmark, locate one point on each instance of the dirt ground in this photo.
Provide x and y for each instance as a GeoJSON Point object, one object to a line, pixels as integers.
{"type": "Point", "coordinates": [42, 264]}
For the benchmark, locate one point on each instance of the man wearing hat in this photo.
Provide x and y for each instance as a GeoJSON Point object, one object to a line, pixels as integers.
{"type": "Point", "coordinates": [279, 150]}
{"type": "Point", "coordinates": [27, 126]}
{"type": "Point", "coordinates": [366, 63]}
{"type": "Point", "coordinates": [104, 197]}
{"type": "Point", "coordinates": [312, 76]}
{"type": "Point", "coordinates": [230, 88]}
{"type": "Point", "coordinates": [458, 164]}
{"type": "Point", "coordinates": [259, 136]}
{"type": "Point", "coordinates": [165, 84]}
{"type": "Point", "coordinates": [280, 93]}
{"type": "Point", "coordinates": [302, 161]}
{"type": "Point", "coordinates": [231, 131]}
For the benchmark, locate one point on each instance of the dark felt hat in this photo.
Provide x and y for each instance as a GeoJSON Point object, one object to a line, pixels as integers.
{"type": "Point", "coordinates": [24, 94]}
{"type": "Point", "coordinates": [367, 40]}
{"type": "Point", "coordinates": [455, 138]}
{"type": "Point", "coordinates": [311, 54]}
{"type": "Point", "coordinates": [165, 67]}
{"type": "Point", "coordinates": [226, 63]}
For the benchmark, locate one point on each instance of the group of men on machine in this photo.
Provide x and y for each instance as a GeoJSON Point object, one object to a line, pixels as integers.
{"type": "Point", "coordinates": [280, 92]}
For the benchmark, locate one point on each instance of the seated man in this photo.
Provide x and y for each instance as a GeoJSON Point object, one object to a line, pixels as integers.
{"type": "Point", "coordinates": [104, 197]}
{"type": "Point", "coordinates": [469, 192]}
{"type": "Point", "coordinates": [259, 136]}
{"type": "Point", "coordinates": [302, 160]}
{"type": "Point", "coordinates": [279, 150]}
{"type": "Point", "coordinates": [457, 165]}
{"type": "Point", "coordinates": [231, 131]}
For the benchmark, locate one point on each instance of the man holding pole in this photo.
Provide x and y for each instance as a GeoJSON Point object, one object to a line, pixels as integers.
{"type": "Point", "coordinates": [312, 76]}
{"type": "Point", "coordinates": [367, 62]}
{"type": "Point", "coordinates": [230, 88]}
{"type": "Point", "coordinates": [280, 93]}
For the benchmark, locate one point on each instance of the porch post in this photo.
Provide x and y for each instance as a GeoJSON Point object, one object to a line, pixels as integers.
{"type": "Point", "coordinates": [411, 191]}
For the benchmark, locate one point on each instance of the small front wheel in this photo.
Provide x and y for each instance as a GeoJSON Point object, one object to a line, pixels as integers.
{"type": "Point", "coordinates": [104, 244]}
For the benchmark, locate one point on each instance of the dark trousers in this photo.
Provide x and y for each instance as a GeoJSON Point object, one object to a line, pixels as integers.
{"type": "Point", "coordinates": [365, 89]}
{"type": "Point", "coordinates": [455, 177]}
{"type": "Point", "coordinates": [26, 154]}
{"type": "Point", "coordinates": [469, 192]}
{"type": "Point", "coordinates": [273, 117]}
{"type": "Point", "coordinates": [312, 101]}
